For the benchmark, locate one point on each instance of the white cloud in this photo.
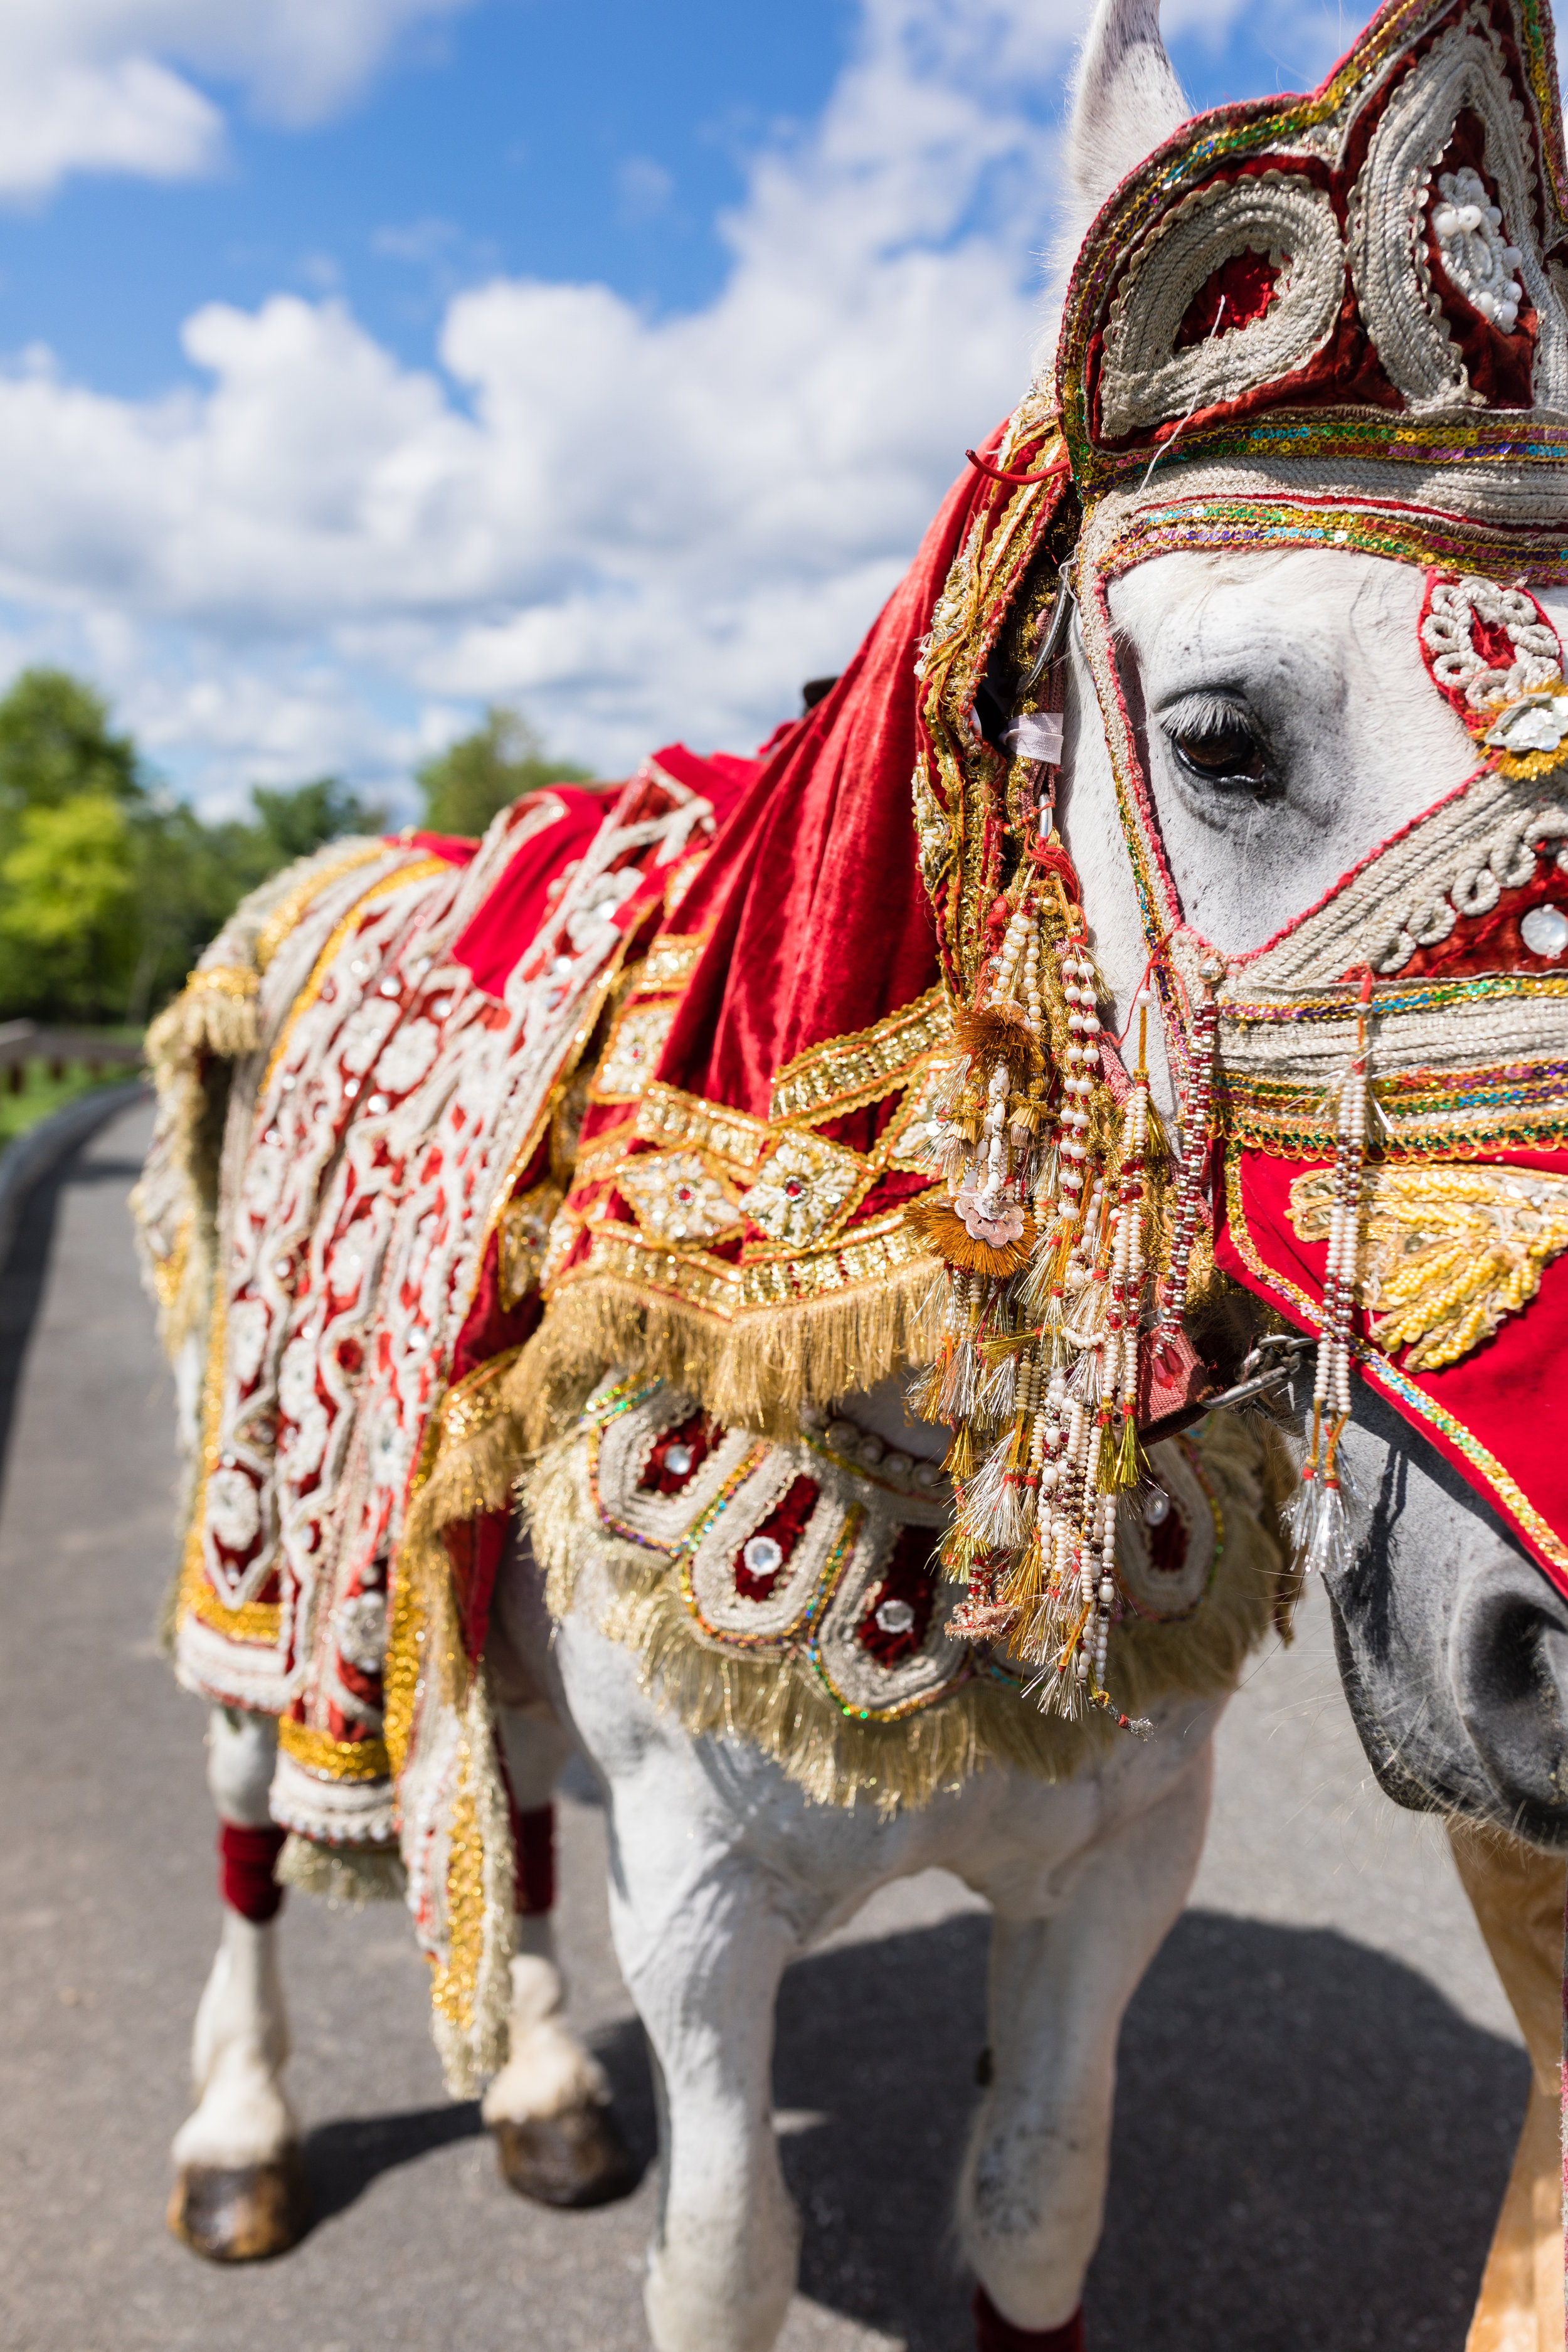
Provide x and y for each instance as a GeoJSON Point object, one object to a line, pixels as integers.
{"type": "Point", "coordinates": [102, 85]}
{"type": "Point", "coordinates": [639, 527]}
{"type": "Point", "coordinates": [644, 189]}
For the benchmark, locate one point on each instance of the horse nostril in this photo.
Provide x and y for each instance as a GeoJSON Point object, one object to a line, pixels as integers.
{"type": "Point", "coordinates": [1511, 1678]}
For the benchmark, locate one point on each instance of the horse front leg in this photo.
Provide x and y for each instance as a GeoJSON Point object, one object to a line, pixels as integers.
{"type": "Point", "coordinates": [701, 1948]}
{"type": "Point", "coordinates": [1033, 2196]}
{"type": "Point", "coordinates": [556, 2135]}
{"type": "Point", "coordinates": [239, 2189]}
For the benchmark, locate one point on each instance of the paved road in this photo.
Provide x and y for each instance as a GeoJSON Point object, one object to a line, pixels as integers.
{"type": "Point", "coordinates": [1320, 2082]}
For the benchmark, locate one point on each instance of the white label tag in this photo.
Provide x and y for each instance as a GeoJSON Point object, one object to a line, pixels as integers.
{"type": "Point", "coordinates": [1035, 735]}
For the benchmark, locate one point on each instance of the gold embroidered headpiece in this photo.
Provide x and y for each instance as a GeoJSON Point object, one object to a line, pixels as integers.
{"type": "Point", "coordinates": [1355, 296]}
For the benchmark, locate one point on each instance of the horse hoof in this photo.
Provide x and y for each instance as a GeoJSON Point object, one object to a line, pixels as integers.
{"type": "Point", "coordinates": [240, 2213]}
{"type": "Point", "coordinates": [575, 2159]}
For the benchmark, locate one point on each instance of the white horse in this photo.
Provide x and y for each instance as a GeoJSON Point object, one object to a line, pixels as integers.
{"type": "Point", "coordinates": [721, 1870]}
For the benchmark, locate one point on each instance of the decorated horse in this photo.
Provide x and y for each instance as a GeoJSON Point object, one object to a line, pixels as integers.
{"type": "Point", "coordinates": [794, 1281]}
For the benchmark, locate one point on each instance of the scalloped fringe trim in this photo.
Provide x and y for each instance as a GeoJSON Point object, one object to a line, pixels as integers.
{"type": "Point", "coordinates": [345, 1877]}
{"type": "Point", "coordinates": [470, 1993]}
{"type": "Point", "coordinates": [471, 1996]}
{"type": "Point", "coordinates": [756, 1372]}
{"type": "Point", "coordinates": [778, 1706]}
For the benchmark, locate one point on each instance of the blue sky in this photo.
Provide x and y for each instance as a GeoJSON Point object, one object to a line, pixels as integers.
{"type": "Point", "coordinates": [606, 361]}
{"type": "Point", "coordinates": [530, 136]}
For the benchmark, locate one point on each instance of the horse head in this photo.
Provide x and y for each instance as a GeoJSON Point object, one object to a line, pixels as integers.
{"type": "Point", "coordinates": [1279, 776]}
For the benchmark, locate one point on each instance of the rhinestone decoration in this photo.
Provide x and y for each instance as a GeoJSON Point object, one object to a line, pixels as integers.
{"type": "Point", "coordinates": [676, 1196]}
{"type": "Point", "coordinates": [803, 1185]}
{"type": "Point", "coordinates": [1544, 930]}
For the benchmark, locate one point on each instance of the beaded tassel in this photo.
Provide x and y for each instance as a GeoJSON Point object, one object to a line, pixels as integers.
{"type": "Point", "coordinates": [1189, 1188]}
{"type": "Point", "coordinates": [1319, 1519]}
{"type": "Point", "coordinates": [1043, 1232]}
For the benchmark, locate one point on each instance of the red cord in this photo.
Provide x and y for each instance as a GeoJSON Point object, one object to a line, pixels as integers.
{"type": "Point", "coordinates": [996, 475]}
{"type": "Point", "coordinates": [1159, 948]}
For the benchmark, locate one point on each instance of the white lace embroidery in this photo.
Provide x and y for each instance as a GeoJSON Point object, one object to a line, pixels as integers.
{"type": "Point", "coordinates": [1449, 634]}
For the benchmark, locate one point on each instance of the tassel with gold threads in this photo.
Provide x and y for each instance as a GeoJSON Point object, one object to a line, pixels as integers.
{"type": "Point", "coordinates": [1045, 1234]}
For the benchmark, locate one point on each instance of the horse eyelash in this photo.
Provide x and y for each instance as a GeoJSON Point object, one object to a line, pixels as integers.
{"type": "Point", "coordinates": [1206, 714]}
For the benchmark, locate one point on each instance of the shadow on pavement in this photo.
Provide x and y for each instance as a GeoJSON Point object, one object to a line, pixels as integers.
{"type": "Point", "coordinates": [1309, 2152]}
{"type": "Point", "coordinates": [343, 2159]}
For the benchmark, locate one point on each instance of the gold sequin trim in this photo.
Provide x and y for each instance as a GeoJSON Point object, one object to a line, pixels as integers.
{"type": "Point", "coordinates": [256, 1622]}
{"type": "Point", "coordinates": [883, 1246]}
{"type": "Point", "coordinates": [333, 1760]}
{"type": "Point", "coordinates": [602, 1157]}
{"type": "Point", "coordinates": [291, 911]}
{"type": "Point", "coordinates": [669, 962]}
{"type": "Point", "coordinates": [452, 1988]}
{"type": "Point", "coordinates": [223, 980]}
{"type": "Point", "coordinates": [844, 1074]}
{"type": "Point", "coordinates": [870, 1253]}
{"type": "Point", "coordinates": [689, 1276]}
{"type": "Point", "coordinates": [668, 1115]}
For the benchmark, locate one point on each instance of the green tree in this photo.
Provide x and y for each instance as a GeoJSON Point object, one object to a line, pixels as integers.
{"type": "Point", "coordinates": [110, 888]}
{"type": "Point", "coordinates": [55, 743]}
{"type": "Point", "coordinates": [68, 915]}
{"type": "Point", "coordinates": [473, 779]}
{"type": "Point", "coordinates": [70, 789]}
{"type": "Point", "coordinates": [289, 824]}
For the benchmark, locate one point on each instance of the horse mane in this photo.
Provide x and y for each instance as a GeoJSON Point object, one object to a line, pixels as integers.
{"type": "Point", "coordinates": [1125, 100]}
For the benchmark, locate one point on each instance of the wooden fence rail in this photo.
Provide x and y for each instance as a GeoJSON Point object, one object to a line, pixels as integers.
{"type": "Point", "coordinates": [22, 1042]}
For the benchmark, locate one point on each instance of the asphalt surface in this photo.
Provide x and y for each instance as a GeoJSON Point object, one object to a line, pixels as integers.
{"type": "Point", "coordinates": [1320, 2080]}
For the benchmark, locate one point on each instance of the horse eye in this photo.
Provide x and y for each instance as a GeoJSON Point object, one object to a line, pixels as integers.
{"type": "Point", "coordinates": [1221, 747]}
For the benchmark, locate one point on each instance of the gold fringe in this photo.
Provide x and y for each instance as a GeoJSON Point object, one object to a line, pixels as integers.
{"type": "Point", "coordinates": [995, 1029]}
{"type": "Point", "coordinates": [470, 1997]}
{"type": "Point", "coordinates": [755, 1372]}
{"type": "Point", "coordinates": [778, 1707]}
{"type": "Point", "coordinates": [191, 1075]}
{"type": "Point", "coordinates": [473, 1450]}
{"type": "Point", "coordinates": [944, 1231]}
{"type": "Point", "coordinates": [214, 1012]}
{"type": "Point", "coordinates": [345, 1877]}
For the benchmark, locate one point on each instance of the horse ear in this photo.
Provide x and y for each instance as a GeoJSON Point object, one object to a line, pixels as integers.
{"type": "Point", "coordinates": [1125, 100]}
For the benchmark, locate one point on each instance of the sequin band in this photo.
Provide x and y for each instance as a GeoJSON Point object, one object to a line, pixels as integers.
{"type": "Point", "coordinates": [845, 1073]}
{"type": "Point", "coordinates": [334, 1760]}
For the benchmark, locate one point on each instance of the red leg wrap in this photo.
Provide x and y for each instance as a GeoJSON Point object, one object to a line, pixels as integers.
{"type": "Point", "coordinates": [535, 1861]}
{"type": "Point", "coordinates": [245, 1870]}
{"type": "Point", "coordinates": [994, 2334]}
